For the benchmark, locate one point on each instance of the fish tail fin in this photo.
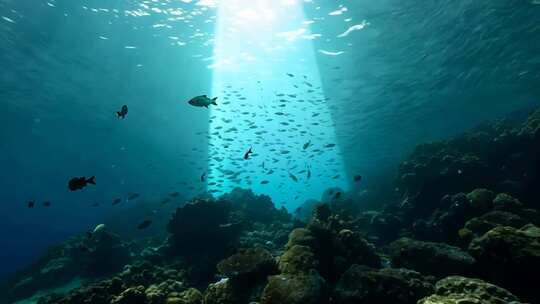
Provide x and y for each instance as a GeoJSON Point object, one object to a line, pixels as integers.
{"type": "Point", "coordinates": [91, 180]}
{"type": "Point", "coordinates": [214, 101]}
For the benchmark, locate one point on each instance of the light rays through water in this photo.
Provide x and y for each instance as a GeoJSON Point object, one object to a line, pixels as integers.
{"type": "Point", "coordinates": [270, 98]}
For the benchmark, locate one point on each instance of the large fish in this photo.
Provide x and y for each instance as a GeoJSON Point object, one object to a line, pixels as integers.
{"type": "Point", "coordinates": [77, 183]}
{"type": "Point", "coordinates": [202, 101]}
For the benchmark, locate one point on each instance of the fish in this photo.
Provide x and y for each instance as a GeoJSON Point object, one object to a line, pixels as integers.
{"type": "Point", "coordinates": [30, 204]}
{"type": "Point", "coordinates": [264, 182]}
{"type": "Point", "coordinates": [203, 177]}
{"type": "Point", "coordinates": [174, 194]}
{"type": "Point", "coordinates": [47, 204]}
{"type": "Point", "coordinates": [99, 228]}
{"type": "Point", "coordinates": [116, 201]}
{"type": "Point", "coordinates": [306, 145]}
{"type": "Point", "coordinates": [337, 195]}
{"type": "Point", "coordinates": [144, 224]}
{"type": "Point", "coordinates": [165, 201]}
{"type": "Point", "coordinates": [330, 146]}
{"type": "Point", "coordinates": [203, 101]}
{"type": "Point", "coordinates": [78, 183]}
{"type": "Point", "coordinates": [94, 205]}
{"type": "Point", "coordinates": [123, 112]}
{"type": "Point", "coordinates": [294, 178]}
{"type": "Point", "coordinates": [357, 178]}
{"type": "Point", "coordinates": [133, 196]}
{"type": "Point", "coordinates": [246, 155]}
{"type": "Point", "coordinates": [308, 173]}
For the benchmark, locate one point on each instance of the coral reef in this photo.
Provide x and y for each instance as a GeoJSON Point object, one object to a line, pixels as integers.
{"type": "Point", "coordinates": [98, 293]}
{"type": "Point", "coordinates": [272, 236]}
{"type": "Point", "coordinates": [498, 156]}
{"type": "Point", "coordinates": [255, 208]}
{"type": "Point", "coordinates": [477, 226]}
{"type": "Point", "coordinates": [190, 296]}
{"type": "Point", "coordinates": [456, 290]}
{"type": "Point", "coordinates": [202, 226]}
{"type": "Point", "coordinates": [297, 259]}
{"type": "Point", "coordinates": [222, 292]}
{"type": "Point", "coordinates": [134, 295]}
{"type": "Point", "coordinates": [139, 283]}
{"type": "Point", "coordinates": [510, 257]}
{"type": "Point", "coordinates": [294, 289]}
{"type": "Point", "coordinates": [203, 233]}
{"type": "Point", "coordinates": [438, 259]}
{"type": "Point", "coordinates": [360, 284]}
{"type": "Point", "coordinates": [248, 264]}
{"type": "Point", "coordinates": [103, 253]}
{"type": "Point", "coordinates": [466, 211]}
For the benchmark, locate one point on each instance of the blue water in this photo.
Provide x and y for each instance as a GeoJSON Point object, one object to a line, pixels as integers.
{"type": "Point", "coordinates": [386, 75]}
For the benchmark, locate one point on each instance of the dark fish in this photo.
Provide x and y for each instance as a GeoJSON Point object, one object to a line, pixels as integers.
{"type": "Point", "coordinates": [297, 210]}
{"type": "Point", "coordinates": [290, 75]}
{"type": "Point", "coordinates": [246, 155]}
{"type": "Point", "coordinates": [203, 177]}
{"type": "Point", "coordinates": [336, 177]}
{"type": "Point", "coordinates": [144, 224]}
{"type": "Point", "coordinates": [77, 183]}
{"type": "Point", "coordinates": [203, 101]}
{"type": "Point", "coordinates": [89, 234]}
{"type": "Point", "coordinates": [357, 178]}
{"type": "Point", "coordinates": [31, 204]}
{"type": "Point", "coordinates": [306, 145]}
{"type": "Point", "coordinates": [165, 201]}
{"type": "Point", "coordinates": [331, 191]}
{"type": "Point", "coordinates": [123, 112]}
{"type": "Point", "coordinates": [116, 201]}
{"type": "Point", "coordinates": [337, 195]}
{"type": "Point", "coordinates": [47, 204]}
{"type": "Point", "coordinates": [264, 182]}
{"type": "Point", "coordinates": [94, 205]}
{"type": "Point", "coordinates": [174, 194]}
{"type": "Point", "coordinates": [330, 146]}
{"type": "Point", "coordinates": [294, 178]}
{"type": "Point", "coordinates": [308, 173]}
{"type": "Point", "coordinates": [133, 196]}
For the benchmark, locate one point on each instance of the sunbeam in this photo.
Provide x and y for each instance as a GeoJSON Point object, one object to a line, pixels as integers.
{"type": "Point", "coordinates": [267, 81]}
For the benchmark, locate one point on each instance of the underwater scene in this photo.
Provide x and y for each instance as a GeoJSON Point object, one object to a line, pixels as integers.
{"type": "Point", "coordinates": [269, 151]}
